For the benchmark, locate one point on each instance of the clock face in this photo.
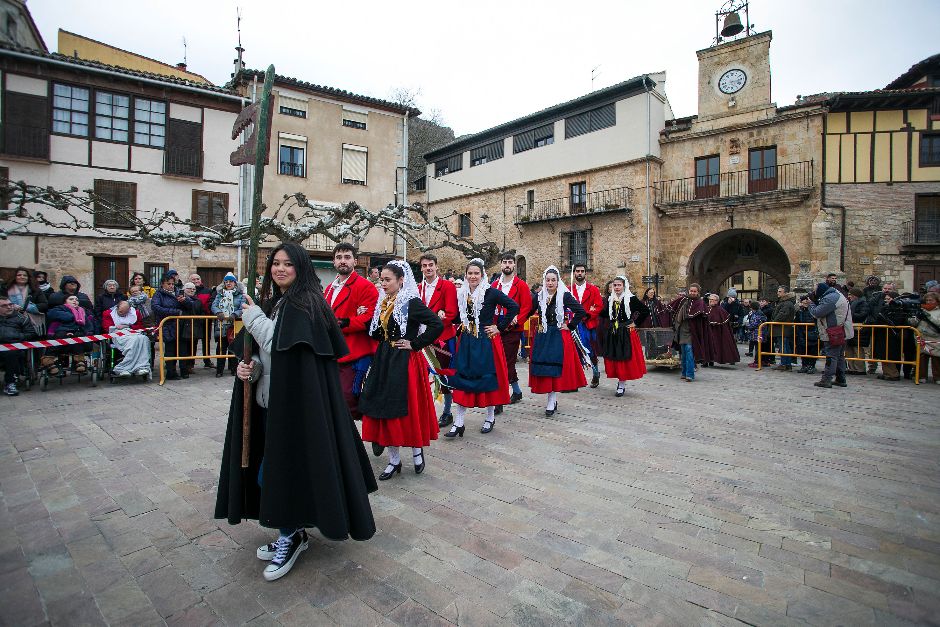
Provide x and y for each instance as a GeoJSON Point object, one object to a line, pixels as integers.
{"type": "Point", "coordinates": [732, 81]}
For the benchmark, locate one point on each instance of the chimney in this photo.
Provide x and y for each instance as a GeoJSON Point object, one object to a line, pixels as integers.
{"type": "Point", "coordinates": [181, 66]}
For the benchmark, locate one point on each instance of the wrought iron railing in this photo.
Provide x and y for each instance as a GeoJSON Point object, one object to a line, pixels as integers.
{"type": "Point", "coordinates": [292, 169]}
{"type": "Point", "coordinates": [784, 176]}
{"type": "Point", "coordinates": [617, 199]}
{"type": "Point", "coordinates": [182, 162]}
{"type": "Point", "coordinates": [26, 141]}
{"type": "Point", "coordinates": [921, 232]}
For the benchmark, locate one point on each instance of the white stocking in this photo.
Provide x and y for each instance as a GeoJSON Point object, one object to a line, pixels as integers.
{"type": "Point", "coordinates": [393, 457]}
{"type": "Point", "coordinates": [552, 400]}
{"type": "Point", "coordinates": [418, 456]}
{"type": "Point", "coordinates": [459, 412]}
{"type": "Point", "coordinates": [491, 414]}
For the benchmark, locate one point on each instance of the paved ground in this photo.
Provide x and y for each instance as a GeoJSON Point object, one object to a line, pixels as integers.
{"type": "Point", "coordinates": [744, 496]}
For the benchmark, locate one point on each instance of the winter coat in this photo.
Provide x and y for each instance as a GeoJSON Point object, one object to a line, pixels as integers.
{"type": "Point", "coordinates": [832, 310]}
{"type": "Point", "coordinates": [735, 310]}
{"type": "Point", "coordinates": [929, 333]}
{"type": "Point", "coordinates": [191, 306]}
{"type": "Point", "coordinates": [62, 321]}
{"type": "Point", "coordinates": [238, 299]}
{"type": "Point", "coordinates": [105, 301]}
{"type": "Point", "coordinates": [164, 305]}
{"type": "Point", "coordinates": [58, 298]}
{"type": "Point", "coordinates": [16, 328]}
{"type": "Point", "coordinates": [861, 311]}
{"type": "Point", "coordinates": [754, 320]}
{"type": "Point", "coordinates": [784, 311]}
{"type": "Point", "coordinates": [806, 342]}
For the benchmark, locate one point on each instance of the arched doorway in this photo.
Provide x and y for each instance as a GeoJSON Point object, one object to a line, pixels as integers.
{"type": "Point", "coordinates": [739, 253]}
{"type": "Point", "coordinates": [520, 267]}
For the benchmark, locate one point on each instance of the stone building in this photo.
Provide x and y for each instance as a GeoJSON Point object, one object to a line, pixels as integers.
{"type": "Point", "coordinates": [568, 184]}
{"type": "Point", "coordinates": [881, 168]}
{"type": "Point", "coordinates": [152, 142]}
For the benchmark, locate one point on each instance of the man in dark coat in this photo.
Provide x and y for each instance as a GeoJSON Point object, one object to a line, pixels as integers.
{"type": "Point", "coordinates": [14, 327]}
{"type": "Point", "coordinates": [784, 311]}
{"type": "Point", "coordinates": [861, 346]}
{"type": "Point", "coordinates": [735, 310]}
{"type": "Point", "coordinates": [689, 324]}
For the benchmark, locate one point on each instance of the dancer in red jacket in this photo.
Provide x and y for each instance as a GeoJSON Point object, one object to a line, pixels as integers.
{"type": "Point", "coordinates": [353, 301]}
{"type": "Point", "coordinates": [440, 296]}
{"type": "Point", "coordinates": [517, 289]}
{"type": "Point", "coordinates": [590, 298]}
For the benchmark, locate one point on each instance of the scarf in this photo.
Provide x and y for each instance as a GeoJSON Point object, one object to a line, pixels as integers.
{"type": "Point", "coordinates": [398, 306]}
{"type": "Point", "coordinates": [388, 307]}
{"type": "Point", "coordinates": [130, 319]}
{"type": "Point", "coordinates": [139, 301]}
{"type": "Point", "coordinates": [545, 299]}
{"type": "Point", "coordinates": [623, 300]}
{"type": "Point", "coordinates": [470, 304]}
{"type": "Point", "coordinates": [227, 302]}
{"type": "Point", "coordinates": [18, 295]}
{"type": "Point", "coordinates": [78, 312]}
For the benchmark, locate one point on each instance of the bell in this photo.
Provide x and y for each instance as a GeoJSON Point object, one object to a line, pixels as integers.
{"type": "Point", "coordinates": [732, 25]}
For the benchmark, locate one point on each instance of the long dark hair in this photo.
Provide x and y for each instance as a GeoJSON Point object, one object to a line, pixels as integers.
{"type": "Point", "coordinates": [30, 279]}
{"type": "Point", "coordinates": [305, 293]}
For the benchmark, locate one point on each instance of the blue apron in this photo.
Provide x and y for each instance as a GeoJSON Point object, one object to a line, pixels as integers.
{"type": "Point", "coordinates": [548, 354]}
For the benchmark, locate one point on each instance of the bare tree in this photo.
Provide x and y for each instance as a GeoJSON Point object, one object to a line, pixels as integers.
{"type": "Point", "coordinates": [35, 210]}
{"type": "Point", "coordinates": [425, 133]}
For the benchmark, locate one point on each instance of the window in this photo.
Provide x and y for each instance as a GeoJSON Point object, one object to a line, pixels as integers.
{"type": "Point", "coordinates": [762, 170]}
{"type": "Point", "coordinates": [484, 154]}
{"type": "Point", "coordinates": [576, 248]}
{"type": "Point", "coordinates": [149, 122]}
{"type": "Point", "coordinates": [578, 197]}
{"type": "Point", "coordinates": [355, 164]}
{"type": "Point", "coordinates": [209, 208]}
{"type": "Point", "coordinates": [589, 121]}
{"type": "Point", "coordinates": [116, 203]}
{"type": "Point", "coordinates": [927, 219]}
{"type": "Point", "coordinates": [183, 155]}
{"type": "Point", "coordinates": [70, 110]}
{"type": "Point", "coordinates": [534, 138]}
{"type": "Point", "coordinates": [296, 107]}
{"type": "Point", "coordinates": [706, 177]}
{"type": "Point", "coordinates": [292, 161]}
{"type": "Point", "coordinates": [448, 165]}
{"type": "Point", "coordinates": [929, 149]}
{"type": "Point", "coordinates": [112, 112]}
{"type": "Point", "coordinates": [463, 224]}
{"type": "Point", "coordinates": [25, 125]}
{"type": "Point", "coordinates": [297, 113]}
{"type": "Point", "coordinates": [421, 184]}
{"type": "Point", "coordinates": [530, 199]}
{"type": "Point", "coordinates": [355, 119]}
{"type": "Point", "coordinates": [154, 273]}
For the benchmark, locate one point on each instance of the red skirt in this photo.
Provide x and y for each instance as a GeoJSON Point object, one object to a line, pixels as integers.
{"type": "Point", "coordinates": [630, 370]}
{"type": "Point", "coordinates": [419, 427]}
{"type": "Point", "coordinates": [499, 396]}
{"type": "Point", "coordinates": [572, 372]}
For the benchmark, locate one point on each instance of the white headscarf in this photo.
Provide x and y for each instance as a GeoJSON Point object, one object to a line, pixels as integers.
{"type": "Point", "coordinates": [623, 299]}
{"type": "Point", "coordinates": [409, 290]}
{"type": "Point", "coordinates": [544, 297]}
{"type": "Point", "coordinates": [477, 295]}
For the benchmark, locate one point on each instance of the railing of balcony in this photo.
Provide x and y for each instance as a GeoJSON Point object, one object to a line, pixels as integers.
{"type": "Point", "coordinates": [741, 183]}
{"type": "Point", "coordinates": [616, 199]}
{"type": "Point", "coordinates": [26, 141]}
{"type": "Point", "coordinates": [291, 168]}
{"type": "Point", "coordinates": [182, 162]}
{"type": "Point", "coordinates": [921, 232]}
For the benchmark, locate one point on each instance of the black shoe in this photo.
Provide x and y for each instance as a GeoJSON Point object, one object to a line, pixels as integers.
{"type": "Point", "coordinates": [595, 380]}
{"type": "Point", "coordinates": [172, 376]}
{"type": "Point", "coordinates": [487, 426]}
{"type": "Point", "coordinates": [841, 383]}
{"type": "Point", "coordinates": [454, 432]}
{"type": "Point", "coordinates": [218, 375]}
{"type": "Point", "coordinates": [823, 384]}
{"type": "Point", "coordinates": [285, 555]}
{"type": "Point", "coordinates": [208, 365]}
{"type": "Point", "coordinates": [620, 391]}
{"type": "Point", "coordinates": [184, 375]}
{"type": "Point", "coordinates": [515, 398]}
{"type": "Point", "coordinates": [389, 471]}
{"type": "Point", "coordinates": [419, 468]}
{"type": "Point", "coordinates": [498, 410]}
{"type": "Point", "coordinates": [377, 450]}
{"type": "Point", "coordinates": [445, 420]}
{"type": "Point", "coordinates": [551, 412]}
{"type": "Point", "coordinates": [269, 551]}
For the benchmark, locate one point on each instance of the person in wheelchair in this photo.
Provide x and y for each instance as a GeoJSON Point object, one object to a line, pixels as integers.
{"type": "Point", "coordinates": [69, 319]}
{"type": "Point", "coordinates": [134, 347]}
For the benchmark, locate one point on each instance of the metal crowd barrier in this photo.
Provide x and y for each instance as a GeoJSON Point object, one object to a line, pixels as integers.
{"type": "Point", "coordinates": [856, 342]}
{"type": "Point", "coordinates": [208, 324]}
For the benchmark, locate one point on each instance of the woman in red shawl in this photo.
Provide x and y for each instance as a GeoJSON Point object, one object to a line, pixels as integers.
{"type": "Point", "coordinates": [722, 349]}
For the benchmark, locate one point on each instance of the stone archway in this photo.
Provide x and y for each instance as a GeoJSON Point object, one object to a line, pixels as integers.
{"type": "Point", "coordinates": [728, 252]}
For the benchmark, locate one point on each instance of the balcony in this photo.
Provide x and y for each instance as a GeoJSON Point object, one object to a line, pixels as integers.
{"type": "Point", "coordinates": [182, 162]}
{"type": "Point", "coordinates": [26, 141]}
{"type": "Point", "coordinates": [291, 168]}
{"type": "Point", "coordinates": [920, 236]}
{"type": "Point", "coordinates": [772, 186]}
{"type": "Point", "coordinates": [594, 203]}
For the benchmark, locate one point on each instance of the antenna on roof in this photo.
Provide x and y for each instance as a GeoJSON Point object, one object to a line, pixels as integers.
{"type": "Point", "coordinates": [184, 51]}
{"type": "Point", "coordinates": [239, 64]}
{"type": "Point", "coordinates": [594, 75]}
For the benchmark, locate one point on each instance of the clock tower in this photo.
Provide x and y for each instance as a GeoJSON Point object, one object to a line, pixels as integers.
{"type": "Point", "coordinates": [734, 78]}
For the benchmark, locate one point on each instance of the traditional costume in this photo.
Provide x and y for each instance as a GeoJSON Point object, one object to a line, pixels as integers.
{"type": "Point", "coordinates": [345, 297]}
{"type": "Point", "coordinates": [623, 353]}
{"type": "Point", "coordinates": [517, 290]}
{"type": "Point", "coordinates": [722, 349]}
{"type": "Point", "coordinates": [556, 363]}
{"type": "Point", "coordinates": [590, 298]}
{"type": "Point", "coordinates": [689, 324]}
{"type": "Point", "coordinates": [481, 377]}
{"type": "Point", "coordinates": [659, 317]}
{"type": "Point", "coordinates": [396, 403]}
{"type": "Point", "coordinates": [440, 296]}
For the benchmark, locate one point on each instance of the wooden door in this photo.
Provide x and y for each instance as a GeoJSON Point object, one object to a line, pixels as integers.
{"type": "Point", "coordinates": [212, 276]}
{"type": "Point", "coordinates": [108, 268]}
{"type": "Point", "coordinates": [925, 272]}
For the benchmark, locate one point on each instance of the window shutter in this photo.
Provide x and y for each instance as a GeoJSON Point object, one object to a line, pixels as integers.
{"type": "Point", "coordinates": [523, 141]}
{"type": "Point", "coordinates": [184, 148]}
{"type": "Point", "coordinates": [356, 116]}
{"type": "Point", "coordinates": [296, 104]}
{"type": "Point", "coordinates": [491, 151]}
{"type": "Point", "coordinates": [25, 125]}
{"type": "Point", "coordinates": [355, 162]}
{"type": "Point", "coordinates": [593, 120]}
{"type": "Point", "coordinates": [577, 125]}
{"type": "Point", "coordinates": [603, 117]}
{"type": "Point", "coordinates": [209, 208]}
{"type": "Point", "coordinates": [118, 193]}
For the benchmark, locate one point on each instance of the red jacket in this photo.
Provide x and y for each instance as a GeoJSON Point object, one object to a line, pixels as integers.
{"type": "Point", "coordinates": [356, 291]}
{"type": "Point", "coordinates": [108, 321]}
{"type": "Point", "coordinates": [443, 299]}
{"type": "Point", "coordinates": [519, 292]}
{"type": "Point", "coordinates": [591, 301]}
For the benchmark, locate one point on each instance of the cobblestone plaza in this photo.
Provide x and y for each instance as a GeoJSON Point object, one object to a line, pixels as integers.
{"type": "Point", "coordinates": [748, 497]}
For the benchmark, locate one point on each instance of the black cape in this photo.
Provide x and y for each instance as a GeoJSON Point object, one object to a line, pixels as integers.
{"type": "Point", "coordinates": [316, 471]}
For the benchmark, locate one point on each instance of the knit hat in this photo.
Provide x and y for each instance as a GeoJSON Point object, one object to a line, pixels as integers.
{"type": "Point", "coordinates": [732, 293]}
{"type": "Point", "coordinates": [172, 272]}
{"type": "Point", "coordinates": [230, 277]}
{"type": "Point", "coordinates": [930, 284]}
{"type": "Point", "coordinates": [822, 288]}
{"type": "Point", "coordinates": [189, 286]}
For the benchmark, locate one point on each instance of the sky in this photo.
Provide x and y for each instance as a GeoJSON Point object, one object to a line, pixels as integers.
{"type": "Point", "coordinates": [486, 62]}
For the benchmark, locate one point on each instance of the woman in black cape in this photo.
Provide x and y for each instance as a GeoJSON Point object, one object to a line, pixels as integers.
{"type": "Point", "coordinates": [307, 464]}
